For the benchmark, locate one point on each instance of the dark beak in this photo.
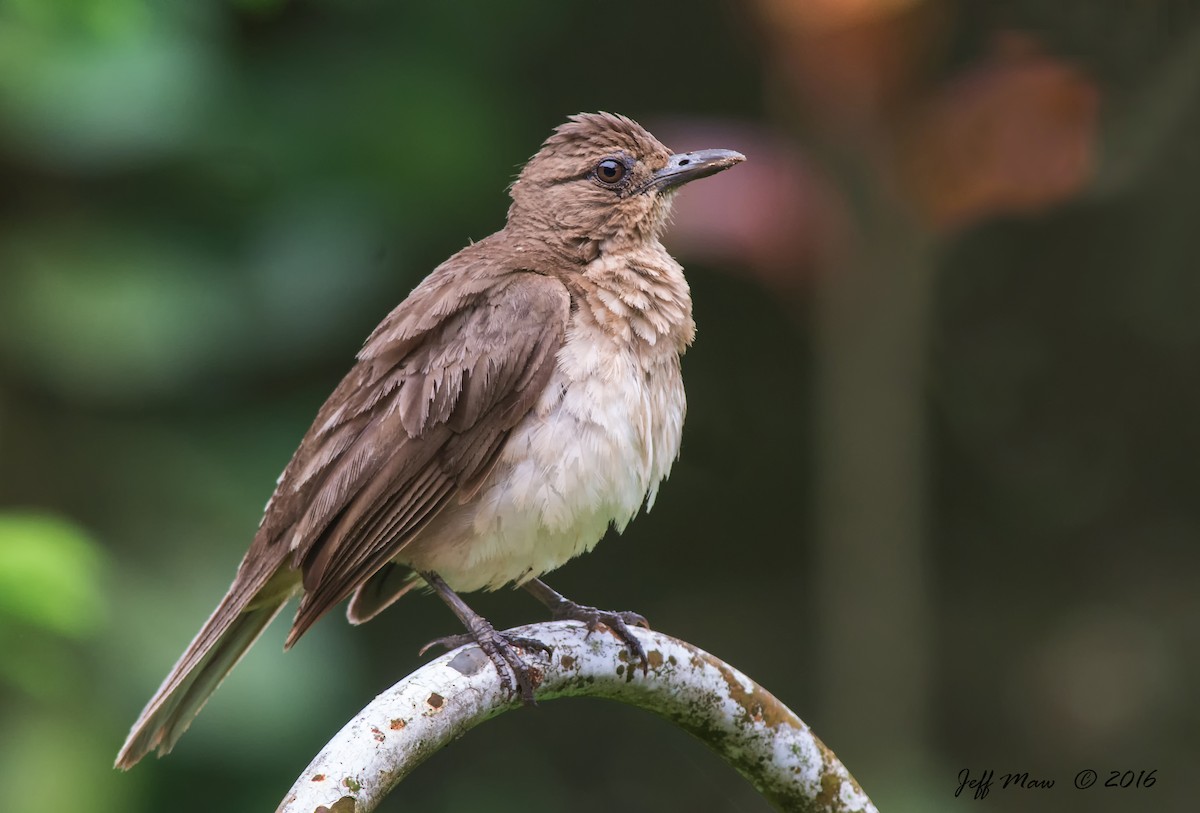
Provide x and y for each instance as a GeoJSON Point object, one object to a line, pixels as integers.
{"type": "Point", "coordinates": [688, 166]}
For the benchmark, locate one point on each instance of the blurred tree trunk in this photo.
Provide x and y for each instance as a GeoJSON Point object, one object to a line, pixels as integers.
{"type": "Point", "coordinates": [917, 152]}
{"type": "Point", "coordinates": [872, 312]}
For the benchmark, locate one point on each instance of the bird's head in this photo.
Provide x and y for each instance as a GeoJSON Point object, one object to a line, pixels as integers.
{"type": "Point", "coordinates": [604, 182]}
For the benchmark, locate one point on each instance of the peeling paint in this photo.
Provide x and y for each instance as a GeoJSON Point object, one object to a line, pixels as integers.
{"type": "Point", "coordinates": [435, 701]}
{"type": "Point", "coordinates": [469, 661]}
{"type": "Point", "coordinates": [396, 724]}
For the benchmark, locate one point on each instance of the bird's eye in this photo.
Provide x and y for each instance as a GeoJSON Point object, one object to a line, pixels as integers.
{"type": "Point", "coordinates": [610, 172]}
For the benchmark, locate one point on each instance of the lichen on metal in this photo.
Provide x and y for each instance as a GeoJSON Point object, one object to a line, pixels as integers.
{"type": "Point", "coordinates": [745, 724]}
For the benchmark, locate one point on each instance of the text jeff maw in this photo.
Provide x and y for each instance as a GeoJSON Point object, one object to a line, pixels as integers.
{"type": "Point", "coordinates": [982, 784]}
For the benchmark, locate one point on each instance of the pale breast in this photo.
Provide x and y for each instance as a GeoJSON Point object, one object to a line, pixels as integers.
{"type": "Point", "coordinates": [602, 438]}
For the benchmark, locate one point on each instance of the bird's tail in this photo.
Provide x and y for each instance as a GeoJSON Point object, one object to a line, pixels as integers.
{"type": "Point", "coordinates": [236, 624]}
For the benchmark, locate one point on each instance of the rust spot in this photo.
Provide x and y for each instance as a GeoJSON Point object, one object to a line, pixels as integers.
{"type": "Point", "coordinates": [758, 704]}
{"type": "Point", "coordinates": [833, 780]}
{"type": "Point", "coordinates": [655, 658]}
{"type": "Point", "coordinates": [346, 804]}
{"type": "Point", "coordinates": [830, 786]}
{"type": "Point", "coordinates": [827, 756]}
{"type": "Point", "coordinates": [436, 700]}
{"type": "Point", "coordinates": [568, 661]}
{"type": "Point", "coordinates": [671, 660]}
{"type": "Point", "coordinates": [377, 734]}
{"type": "Point", "coordinates": [398, 724]}
{"type": "Point", "coordinates": [319, 777]}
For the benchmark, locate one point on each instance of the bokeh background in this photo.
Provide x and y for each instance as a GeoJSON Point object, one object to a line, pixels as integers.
{"type": "Point", "coordinates": [939, 483]}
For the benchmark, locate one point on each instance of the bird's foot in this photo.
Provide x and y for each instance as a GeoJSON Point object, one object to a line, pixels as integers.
{"type": "Point", "coordinates": [516, 674]}
{"type": "Point", "coordinates": [618, 622]}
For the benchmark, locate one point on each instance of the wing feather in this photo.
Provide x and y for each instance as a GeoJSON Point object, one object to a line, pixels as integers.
{"type": "Point", "coordinates": [418, 422]}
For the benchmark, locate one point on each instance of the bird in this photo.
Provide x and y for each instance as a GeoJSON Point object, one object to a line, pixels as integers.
{"type": "Point", "coordinates": [525, 396]}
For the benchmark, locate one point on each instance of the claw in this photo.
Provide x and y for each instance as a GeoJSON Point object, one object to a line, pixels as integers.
{"type": "Point", "coordinates": [563, 609]}
{"type": "Point", "coordinates": [516, 674]}
{"type": "Point", "coordinates": [618, 622]}
{"type": "Point", "coordinates": [448, 643]}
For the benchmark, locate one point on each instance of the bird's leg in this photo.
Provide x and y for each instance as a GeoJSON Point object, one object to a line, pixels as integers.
{"type": "Point", "coordinates": [563, 609]}
{"type": "Point", "coordinates": [499, 647]}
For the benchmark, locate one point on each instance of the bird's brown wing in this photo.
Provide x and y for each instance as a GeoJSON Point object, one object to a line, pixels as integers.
{"type": "Point", "coordinates": [418, 421]}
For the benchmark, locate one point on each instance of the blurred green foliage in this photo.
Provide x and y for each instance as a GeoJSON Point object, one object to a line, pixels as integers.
{"type": "Point", "coordinates": [51, 577]}
{"type": "Point", "coordinates": [54, 607]}
{"type": "Point", "coordinates": [50, 588]}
